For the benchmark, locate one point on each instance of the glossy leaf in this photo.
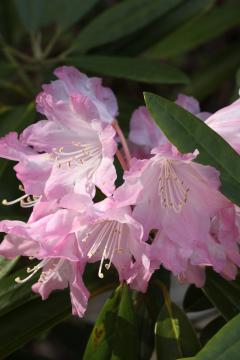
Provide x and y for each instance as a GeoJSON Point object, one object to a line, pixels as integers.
{"type": "Point", "coordinates": [188, 133]}
{"type": "Point", "coordinates": [6, 266]}
{"type": "Point", "coordinates": [225, 295]}
{"type": "Point", "coordinates": [131, 69]}
{"type": "Point", "coordinates": [115, 334]}
{"type": "Point", "coordinates": [199, 30]}
{"type": "Point", "coordinates": [121, 20]}
{"type": "Point", "coordinates": [174, 334]}
{"type": "Point", "coordinates": [225, 345]}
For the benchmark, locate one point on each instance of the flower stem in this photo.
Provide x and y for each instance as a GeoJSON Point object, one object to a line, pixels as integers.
{"type": "Point", "coordinates": [121, 160]}
{"type": "Point", "coordinates": [123, 142]}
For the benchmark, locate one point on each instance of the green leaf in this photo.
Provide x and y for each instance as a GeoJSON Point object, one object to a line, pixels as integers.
{"type": "Point", "coordinates": [166, 24]}
{"type": "Point", "coordinates": [225, 295]}
{"type": "Point", "coordinates": [35, 14]}
{"type": "Point", "coordinates": [131, 69]}
{"type": "Point", "coordinates": [195, 300]}
{"type": "Point", "coordinates": [174, 334]}
{"type": "Point", "coordinates": [115, 334]}
{"type": "Point", "coordinates": [67, 14]}
{"type": "Point", "coordinates": [6, 266]}
{"type": "Point", "coordinates": [198, 31]}
{"type": "Point", "coordinates": [121, 20]}
{"type": "Point", "coordinates": [225, 345]}
{"type": "Point", "coordinates": [188, 133]}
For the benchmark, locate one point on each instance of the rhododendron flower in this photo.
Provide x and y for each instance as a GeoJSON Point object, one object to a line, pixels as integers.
{"type": "Point", "coordinates": [74, 149]}
{"type": "Point", "coordinates": [76, 97]}
{"type": "Point", "coordinates": [179, 198]}
{"type": "Point", "coordinates": [47, 237]}
{"type": "Point", "coordinates": [144, 133]}
{"type": "Point", "coordinates": [109, 234]}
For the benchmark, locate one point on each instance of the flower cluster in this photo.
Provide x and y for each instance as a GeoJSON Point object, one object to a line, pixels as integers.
{"type": "Point", "coordinates": [168, 212]}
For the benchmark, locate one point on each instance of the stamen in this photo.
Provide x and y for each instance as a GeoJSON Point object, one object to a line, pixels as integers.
{"type": "Point", "coordinates": [110, 237]}
{"type": "Point", "coordinates": [7, 203]}
{"type": "Point", "coordinates": [32, 272]}
{"type": "Point", "coordinates": [84, 153]}
{"type": "Point", "coordinates": [172, 190]}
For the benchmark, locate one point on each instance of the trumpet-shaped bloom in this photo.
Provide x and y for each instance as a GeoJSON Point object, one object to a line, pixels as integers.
{"type": "Point", "coordinates": [75, 98]}
{"type": "Point", "coordinates": [180, 199]}
{"type": "Point", "coordinates": [73, 150]}
{"type": "Point", "coordinates": [109, 234]}
{"type": "Point", "coordinates": [48, 238]}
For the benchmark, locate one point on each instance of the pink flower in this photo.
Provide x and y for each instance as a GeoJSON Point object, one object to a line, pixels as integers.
{"type": "Point", "coordinates": [48, 237]}
{"type": "Point", "coordinates": [75, 98]}
{"type": "Point", "coordinates": [109, 234]}
{"type": "Point", "coordinates": [178, 198]}
{"type": "Point", "coordinates": [144, 133]}
{"type": "Point", "coordinates": [191, 104]}
{"type": "Point", "coordinates": [73, 151]}
{"type": "Point", "coordinates": [226, 122]}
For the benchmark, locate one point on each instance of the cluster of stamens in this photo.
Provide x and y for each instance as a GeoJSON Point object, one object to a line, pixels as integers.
{"type": "Point", "coordinates": [107, 234]}
{"type": "Point", "coordinates": [46, 274]}
{"type": "Point", "coordinates": [84, 153]}
{"type": "Point", "coordinates": [25, 200]}
{"type": "Point", "coordinates": [173, 192]}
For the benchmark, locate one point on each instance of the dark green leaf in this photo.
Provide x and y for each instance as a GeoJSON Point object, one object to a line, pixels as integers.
{"type": "Point", "coordinates": [6, 266]}
{"type": "Point", "coordinates": [35, 14]}
{"type": "Point", "coordinates": [120, 20]}
{"type": "Point", "coordinates": [195, 300]}
{"type": "Point", "coordinates": [165, 25]}
{"type": "Point", "coordinates": [174, 335]}
{"type": "Point", "coordinates": [225, 345]}
{"type": "Point", "coordinates": [189, 133]}
{"type": "Point", "coordinates": [115, 334]}
{"type": "Point", "coordinates": [199, 30]}
{"type": "Point", "coordinates": [225, 295]}
{"type": "Point", "coordinates": [131, 69]}
{"type": "Point", "coordinates": [67, 13]}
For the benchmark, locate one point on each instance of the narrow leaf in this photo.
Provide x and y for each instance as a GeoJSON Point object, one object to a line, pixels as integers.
{"type": "Point", "coordinates": [225, 295]}
{"type": "Point", "coordinates": [115, 335]}
{"type": "Point", "coordinates": [225, 345]}
{"type": "Point", "coordinates": [198, 31]}
{"type": "Point", "coordinates": [131, 69]}
{"type": "Point", "coordinates": [120, 20]}
{"type": "Point", "coordinates": [174, 335]}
